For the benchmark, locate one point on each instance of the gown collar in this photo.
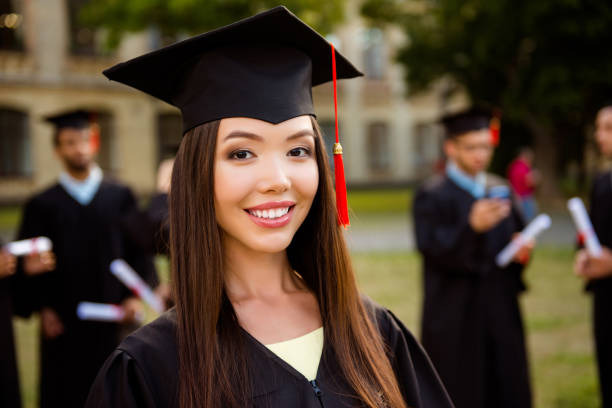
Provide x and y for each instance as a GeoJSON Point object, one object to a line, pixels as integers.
{"type": "Point", "coordinates": [476, 186]}
{"type": "Point", "coordinates": [83, 191]}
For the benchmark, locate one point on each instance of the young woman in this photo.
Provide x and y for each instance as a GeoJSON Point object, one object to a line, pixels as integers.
{"type": "Point", "coordinates": [267, 309]}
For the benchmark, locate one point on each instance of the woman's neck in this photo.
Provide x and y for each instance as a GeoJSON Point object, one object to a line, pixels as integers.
{"type": "Point", "coordinates": [251, 274]}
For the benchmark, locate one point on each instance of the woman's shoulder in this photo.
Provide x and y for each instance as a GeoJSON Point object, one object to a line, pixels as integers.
{"type": "Point", "coordinates": [142, 371]}
{"type": "Point", "coordinates": [154, 340]}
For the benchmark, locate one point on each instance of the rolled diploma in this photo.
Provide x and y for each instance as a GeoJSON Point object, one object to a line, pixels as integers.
{"type": "Point", "coordinates": [28, 246]}
{"type": "Point", "coordinates": [584, 226]}
{"type": "Point", "coordinates": [101, 312]}
{"type": "Point", "coordinates": [531, 231]}
{"type": "Point", "coordinates": [129, 278]}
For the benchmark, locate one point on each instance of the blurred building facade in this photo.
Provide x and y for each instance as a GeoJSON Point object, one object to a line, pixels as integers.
{"type": "Point", "coordinates": [49, 63]}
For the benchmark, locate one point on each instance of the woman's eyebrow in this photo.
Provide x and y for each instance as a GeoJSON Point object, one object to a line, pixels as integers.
{"type": "Point", "coordinates": [301, 133]}
{"type": "Point", "coordinates": [242, 134]}
{"type": "Point", "coordinates": [248, 135]}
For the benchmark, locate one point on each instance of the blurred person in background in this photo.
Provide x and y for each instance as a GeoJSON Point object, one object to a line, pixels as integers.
{"type": "Point", "coordinates": [9, 380]}
{"type": "Point", "coordinates": [149, 229]}
{"type": "Point", "coordinates": [81, 215]}
{"type": "Point", "coordinates": [597, 271]}
{"type": "Point", "coordinates": [471, 325]}
{"type": "Point", "coordinates": [524, 179]}
{"type": "Point", "coordinates": [11, 302]}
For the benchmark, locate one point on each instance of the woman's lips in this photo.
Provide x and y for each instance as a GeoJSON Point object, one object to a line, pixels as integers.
{"type": "Point", "coordinates": [272, 217]}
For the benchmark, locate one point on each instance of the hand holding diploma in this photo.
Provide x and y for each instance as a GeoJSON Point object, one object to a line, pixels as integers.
{"type": "Point", "coordinates": [37, 252]}
{"type": "Point", "coordinates": [7, 263]}
{"type": "Point", "coordinates": [50, 323]}
{"type": "Point", "coordinates": [129, 278]}
{"type": "Point", "coordinates": [523, 241]}
{"type": "Point", "coordinates": [584, 226]}
{"type": "Point", "coordinates": [590, 267]}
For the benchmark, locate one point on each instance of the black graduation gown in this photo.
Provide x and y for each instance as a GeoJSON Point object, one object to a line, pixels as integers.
{"type": "Point", "coordinates": [471, 324]}
{"type": "Point", "coordinates": [601, 217]}
{"type": "Point", "coordinates": [149, 228]}
{"type": "Point", "coordinates": [85, 241]}
{"type": "Point", "coordinates": [143, 371]}
{"type": "Point", "coordinates": [10, 396]}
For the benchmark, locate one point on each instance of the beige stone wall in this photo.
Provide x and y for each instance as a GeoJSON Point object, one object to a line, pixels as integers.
{"type": "Point", "coordinates": [46, 79]}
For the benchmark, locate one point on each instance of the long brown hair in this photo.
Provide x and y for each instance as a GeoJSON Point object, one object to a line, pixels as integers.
{"type": "Point", "coordinates": [212, 360]}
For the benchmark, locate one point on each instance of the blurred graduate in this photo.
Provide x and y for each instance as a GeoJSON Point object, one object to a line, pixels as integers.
{"type": "Point", "coordinates": [9, 380]}
{"type": "Point", "coordinates": [471, 324]}
{"type": "Point", "coordinates": [12, 301]}
{"type": "Point", "coordinates": [267, 313]}
{"type": "Point", "coordinates": [597, 271]}
{"type": "Point", "coordinates": [81, 215]}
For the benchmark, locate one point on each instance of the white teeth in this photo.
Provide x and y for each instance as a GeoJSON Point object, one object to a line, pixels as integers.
{"type": "Point", "coordinates": [271, 213]}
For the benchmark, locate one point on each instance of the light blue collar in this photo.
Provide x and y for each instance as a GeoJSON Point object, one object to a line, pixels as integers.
{"type": "Point", "coordinates": [85, 190]}
{"type": "Point", "coordinates": [476, 186]}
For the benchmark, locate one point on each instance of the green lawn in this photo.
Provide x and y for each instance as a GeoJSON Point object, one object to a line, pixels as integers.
{"type": "Point", "coordinates": [556, 313]}
{"type": "Point", "coordinates": [366, 202]}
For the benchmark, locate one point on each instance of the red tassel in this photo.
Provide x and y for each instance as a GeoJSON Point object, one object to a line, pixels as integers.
{"type": "Point", "coordinates": [94, 138]}
{"type": "Point", "coordinates": [341, 199]}
{"type": "Point", "coordinates": [495, 126]}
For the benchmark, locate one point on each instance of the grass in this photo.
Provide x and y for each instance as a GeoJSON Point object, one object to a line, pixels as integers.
{"type": "Point", "coordinates": [365, 202]}
{"type": "Point", "coordinates": [556, 313]}
{"type": "Point", "coordinates": [9, 217]}
{"type": "Point", "coordinates": [556, 310]}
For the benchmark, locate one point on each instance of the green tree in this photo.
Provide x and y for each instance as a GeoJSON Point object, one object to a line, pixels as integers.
{"type": "Point", "coordinates": [547, 63]}
{"type": "Point", "coordinates": [178, 17]}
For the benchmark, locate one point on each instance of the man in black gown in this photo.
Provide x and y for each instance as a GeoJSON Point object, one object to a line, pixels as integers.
{"type": "Point", "coordinates": [81, 215]}
{"type": "Point", "coordinates": [11, 301]}
{"type": "Point", "coordinates": [471, 324]}
{"type": "Point", "coordinates": [9, 382]}
{"type": "Point", "coordinates": [598, 271]}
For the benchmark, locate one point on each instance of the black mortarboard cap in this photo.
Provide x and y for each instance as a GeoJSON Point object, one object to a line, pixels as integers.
{"type": "Point", "coordinates": [466, 121]}
{"type": "Point", "coordinates": [78, 119]}
{"type": "Point", "coordinates": [262, 67]}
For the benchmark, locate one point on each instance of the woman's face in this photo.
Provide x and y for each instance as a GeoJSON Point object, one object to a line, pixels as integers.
{"type": "Point", "coordinates": [266, 178]}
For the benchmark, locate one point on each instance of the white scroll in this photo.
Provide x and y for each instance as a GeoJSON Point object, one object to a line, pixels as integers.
{"type": "Point", "coordinates": [584, 226]}
{"type": "Point", "coordinates": [132, 280]}
{"type": "Point", "coordinates": [531, 231]}
{"type": "Point", "coordinates": [103, 312]}
{"type": "Point", "coordinates": [100, 312]}
{"type": "Point", "coordinates": [29, 246]}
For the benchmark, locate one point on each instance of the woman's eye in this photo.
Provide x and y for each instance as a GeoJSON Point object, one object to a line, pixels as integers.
{"type": "Point", "coordinates": [241, 155]}
{"type": "Point", "coordinates": [299, 152]}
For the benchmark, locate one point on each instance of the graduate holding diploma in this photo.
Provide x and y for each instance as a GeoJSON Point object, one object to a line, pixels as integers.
{"type": "Point", "coordinates": [596, 269]}
{"type": "Point", "coordinates": [80, 215]}
{"type": "Point", "coordinates": [12, 302]}
{"type": "Point", "coordinates": [267, 313]}
{"type": "Point", "coordinates": [471, 324]}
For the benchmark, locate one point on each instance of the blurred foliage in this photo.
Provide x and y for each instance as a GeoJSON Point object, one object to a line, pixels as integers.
{"type": "Point", "coordinates": [545, 63]}
{"type": "Point", "coordinates": [180, 17]}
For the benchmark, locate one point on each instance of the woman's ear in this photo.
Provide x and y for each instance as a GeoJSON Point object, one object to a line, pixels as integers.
{"type": "Point", "coordinates": [450, 148]}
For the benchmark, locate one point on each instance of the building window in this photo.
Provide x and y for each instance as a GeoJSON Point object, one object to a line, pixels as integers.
{"type": "Point", "coordinates": [107, 155]}
{"type": "Point", "coordinates": [427, 150]}
{"type": "Point", "coordinates": [84, 40]}
{"type": "Point", "coordinates": [169, 135]}
{"type": "Point", "coordinates": [378, 148]}
{"type": "Point", "coordinates": [374, 53]}
{"type": "Point", "coordinates": [11, 25]}
{"type": "Point", "coordinates": [14, 144]}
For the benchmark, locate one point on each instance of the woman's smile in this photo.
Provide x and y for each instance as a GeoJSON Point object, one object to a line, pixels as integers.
{"type": "Point", "coordinates": [273, 214]}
